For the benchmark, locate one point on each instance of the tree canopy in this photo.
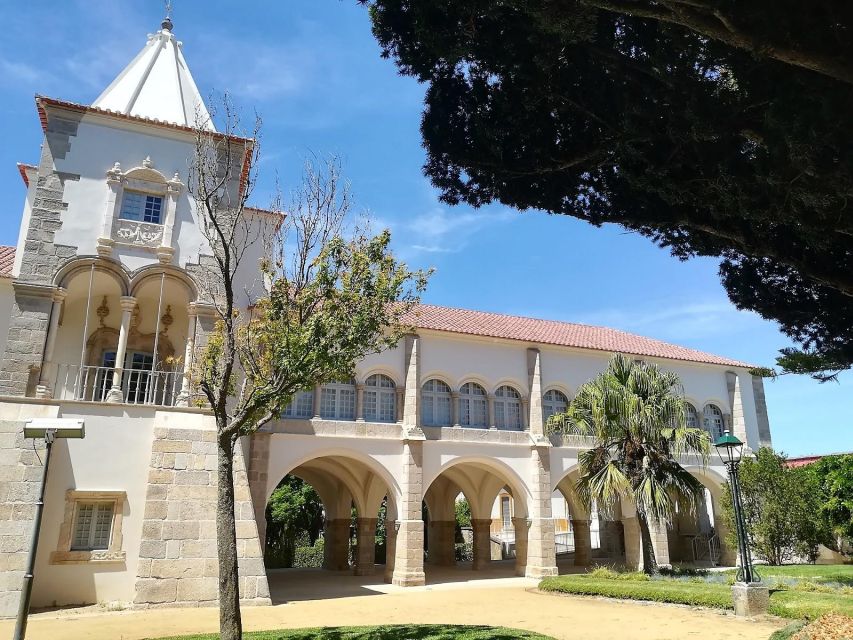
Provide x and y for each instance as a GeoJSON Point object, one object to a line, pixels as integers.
{"type": "Point", "coordinates": [713, 128]}
{"type": "Point", "coordinates": [780, 509]}
{"type": "Point", "coordinates": [833, 476]}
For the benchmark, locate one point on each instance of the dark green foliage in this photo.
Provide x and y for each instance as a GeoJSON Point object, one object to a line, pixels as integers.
{"type": "Point", "coordinates": [294, 509]}
{"type": "Point", "coordinates": [833, 476]}
{"type": "Point", "coordinates": [463, 513]}
{"type": "Point", "coordinates": [706, 143]}
{"type": "Point", "coordinates": [309, 557]}
{"type": "Point", "coordinates": [781, 509]}
{"type": "Point", "coordinates": [390, 632]}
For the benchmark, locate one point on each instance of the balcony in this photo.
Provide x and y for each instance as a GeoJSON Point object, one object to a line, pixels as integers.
{"type": "Point", "coordinates": [115, 385]}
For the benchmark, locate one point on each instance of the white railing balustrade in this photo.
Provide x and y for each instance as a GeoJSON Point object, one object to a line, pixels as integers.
{"type": "Point", "coordinates": [138, 386]}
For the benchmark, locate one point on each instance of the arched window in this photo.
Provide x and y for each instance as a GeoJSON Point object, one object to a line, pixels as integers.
{"type": "Point", "coordinates": [301, 406]}
{"type": "Point", "coordinates": [337, 401]}
{"type": "Point", "coordinates": [472, 405]}
{"type": "Point", "coordinates": [691, 417]}
{"type": "Point", "coordinates": [380, 399]}
{"type": "Point", "coordinates": [435, 404]}
{"type": "Point", "coordinates": [554, 402]}
{"type": "Point", "coordinates": [713, 421]}
{"type": "Point", "coordinates": [507, 408]}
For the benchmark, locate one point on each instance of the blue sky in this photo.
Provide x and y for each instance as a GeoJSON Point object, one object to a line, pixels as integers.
{"type": "Point", "coordinates": [312, 69]}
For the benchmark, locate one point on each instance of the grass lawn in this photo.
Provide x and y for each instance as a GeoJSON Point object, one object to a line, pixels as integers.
{"type": "Point", "coordinates": [810, 597]}
{"type": "Point", "coordinates": [840, 573]}
{"type": "Point", "coordinates": [389, 632]}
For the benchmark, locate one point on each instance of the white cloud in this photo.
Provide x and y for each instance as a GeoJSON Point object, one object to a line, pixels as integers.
{"type": "Point", "coordinates": [21, 72]}
{"type": "Point", "coordinates": [441, 230]}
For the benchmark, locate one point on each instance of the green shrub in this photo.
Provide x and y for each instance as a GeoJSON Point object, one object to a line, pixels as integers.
{"type": "Point", "coordinates": [704, 595]}
{"type": "Point", "coordinates": [465, 552]}
{"type": "Point", "coordinates": [309, 557]}
{"type": "Point", "coordinates": [788, 632]}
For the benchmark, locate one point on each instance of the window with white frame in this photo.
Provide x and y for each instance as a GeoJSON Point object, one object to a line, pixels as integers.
{"type": "Point", "coordinates": [435, 404]}
{"type": "Point", "coordinates": [507, 408]}
{"type": "Point", "coordinates": [473, 406]}
{"type": "Point", "coordinates": [506, 512]}
{"type": "Point", "coordinates": [713, 421]}
{"type": "Point", "coordinates": [380, 399]}
{"type": "Point", "coordinates": [93, 523]}
{"type": "Point", "coordinates": [553, 403]}
{"type": "Point", "coordinates": [142, 207]}
{"type": "Point", "coordinates": [691, 416]}
{"type": "Point", "coordinates": [301, 406]}
{"type": "Point", "coordinates": [337, 401]}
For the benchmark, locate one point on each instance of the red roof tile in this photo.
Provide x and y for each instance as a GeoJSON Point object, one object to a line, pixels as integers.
{"type": "Point", "coordinates": [565, 334]}
{"type": "Point", "coordinates": [7, 259]}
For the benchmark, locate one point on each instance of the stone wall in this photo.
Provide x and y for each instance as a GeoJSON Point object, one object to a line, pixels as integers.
{"type": "Point", "coordinates": [41, 259]}
{"type": "Point", "coordinates": [177, 559]}
{"type": "Point", "coordinates": [20, 484]}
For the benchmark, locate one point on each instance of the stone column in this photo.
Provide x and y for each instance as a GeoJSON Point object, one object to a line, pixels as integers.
{"type": "Point", "coordinates": [490, 411]}
{"type": "Point", "coordinates": [184, 397]}
{"type": "Point", "coordinates": [541, 548]}
{"type": "Point", "coordinates": [660, 542]}
{"type": "Point", "coordinates": [583, 542]}
{"type": "Point", "coordinates": [738, 421]}
{"type": "Point", "coordinates": [521, 531]}
{"type": "Point", "coordinates": [105, 241]}
{"type": "Point", "coordinates": [411, 399]}
{"type": "Point", "coordinates": [534, 413]}
{"type": "Point", "coordinates": [390, 549]}
{"type": "Point", "coordinates": [409, 555]}
{"type": "Point", "coordinates": [482, 543]}
{"type": "Point", "coordinates": [318, 396]}
{"type": "Point", "coordinates": [525, 415]}
{"type": "Point", "coordinates": [398, 404]}
{"type": "Point", "coordinates": [28, 324]}
{"type": "Point", "coordinates": [48, 367]}
{"type": "Point", "coordinates": [359, 402]}
{"type": "Point", "coordinates": [365, 561]}
{"type": "Point", "coordinates": [633, 543]}
{"type": "Point", "coordinates": [454, 408]}
{"type": "Point", "coordinates": [336, 544]}
{"type": "Point", "coordinates": [442, 542]}
{"type": "Point", "coordinates": [173, 191]}
{"type": "Point", "coordinates": [128, 303]}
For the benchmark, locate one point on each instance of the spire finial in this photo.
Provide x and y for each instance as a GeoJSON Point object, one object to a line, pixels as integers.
{"type": "Point", "coordinates": [167, 21]}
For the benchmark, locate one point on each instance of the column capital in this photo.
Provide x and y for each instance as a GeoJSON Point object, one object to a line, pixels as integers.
{"type": "Point", "coordinates": [359, 386]}
{"type": "Point", "coordinates": [128, 303]}
{"type": "Point", "coordinates": [59, 294]}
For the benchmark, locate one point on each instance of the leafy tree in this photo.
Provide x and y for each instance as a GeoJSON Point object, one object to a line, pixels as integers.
{"type": "Point", "coordinates": [463, 512]}
{"type": "Point", "coordinates": [687, 122]}
{"type": "Point", "coordinates": [293, 508]}
{"type": "Point", "coordinates": [329, 295]}
{"type": "Point", "coordinates": [834, 478]}
{"type": "Point", "coordinates": [635, 413]}
{"type": "Point", "coordinates": [781, 509]}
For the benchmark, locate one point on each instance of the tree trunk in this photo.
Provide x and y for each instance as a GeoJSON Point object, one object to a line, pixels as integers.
{"type": "Point", "coordinates": [650, 563]}
{"type": "Point", "coordinates": [230, 621]}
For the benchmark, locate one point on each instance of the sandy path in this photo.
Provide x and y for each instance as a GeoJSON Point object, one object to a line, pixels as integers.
{"type": "Point", "coordinates": [509, 603]}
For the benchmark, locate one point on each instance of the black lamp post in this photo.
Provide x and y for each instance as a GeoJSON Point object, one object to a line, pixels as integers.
{"type": "Point", "coordinates": [729, 448]}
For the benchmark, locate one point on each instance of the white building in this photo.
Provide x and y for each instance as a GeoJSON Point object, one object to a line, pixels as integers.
{"type": "Point", "coordinates": [100, 311]}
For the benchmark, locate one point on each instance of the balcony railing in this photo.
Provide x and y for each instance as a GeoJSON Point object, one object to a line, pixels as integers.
{"type": "Point", "coordinates": [138, 386]}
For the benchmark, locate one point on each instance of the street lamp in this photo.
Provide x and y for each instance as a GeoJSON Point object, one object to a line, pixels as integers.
{"type": "Point", "coordinates": [730, 449]}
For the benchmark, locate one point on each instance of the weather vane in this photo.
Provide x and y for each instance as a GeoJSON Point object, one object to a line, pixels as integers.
{"type": "Point", "coordinates": [167, 21]}
{"type": "Point", "coordinates": [168, 8]}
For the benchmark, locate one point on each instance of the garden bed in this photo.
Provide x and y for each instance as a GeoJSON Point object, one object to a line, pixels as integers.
{"type": "Point", "coordinates": [388, 632]}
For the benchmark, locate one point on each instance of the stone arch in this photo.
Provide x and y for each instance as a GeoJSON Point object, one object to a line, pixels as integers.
{"type": "Point", "coordinates": [362, 376]}
{"type": "Point", "coordinates": [558, 386]}
{"type": "Point", "coordinates": [685, 525]}
{"type": "Point", "coordinates": [512, 383]}
{"type": "Point", "coordinates": [108, 266]}
{"type": "Point", "coordinates": [173, 275]}
{"type": "Point", "coordinates": [437, 375]}
{"type": "Point", "coordinates": [475, 379]}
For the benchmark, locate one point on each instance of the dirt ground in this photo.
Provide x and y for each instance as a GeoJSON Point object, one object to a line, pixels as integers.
{"type": "Point", "coordinates": [315, 598]}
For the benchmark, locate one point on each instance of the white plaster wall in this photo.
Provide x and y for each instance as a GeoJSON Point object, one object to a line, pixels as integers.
{"type": "Point", "coordinates": [114, 456]}
{"type": "Point", "coordinates": [99, 144]}
{"type": "Point", "coordinates": [460, 359]}
{"type": "Point", "coordinates": [7, 298]}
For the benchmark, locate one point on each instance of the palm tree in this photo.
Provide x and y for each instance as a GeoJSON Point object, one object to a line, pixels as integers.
{"type": "Point", "coordinates": [635, 412]}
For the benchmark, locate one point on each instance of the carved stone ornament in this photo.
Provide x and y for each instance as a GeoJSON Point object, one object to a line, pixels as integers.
{"type": "Point", "coordinates": [141, 234]}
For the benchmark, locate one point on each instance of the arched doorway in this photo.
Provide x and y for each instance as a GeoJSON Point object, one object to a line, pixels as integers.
{"type": "Point", "coordinates": [353, 535]}
{"type": "Point", "coordinates": [698, 537]}
{"type": "Point", "coordinates": [498, 502]}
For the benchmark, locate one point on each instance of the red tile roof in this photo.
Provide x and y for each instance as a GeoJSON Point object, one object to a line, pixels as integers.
{"type": "Point", "coordinates": [565, 334]}
{"type": "Point", "coordinates": [7, 259]}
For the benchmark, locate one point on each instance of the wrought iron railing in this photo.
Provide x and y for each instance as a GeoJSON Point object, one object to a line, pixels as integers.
{"type": "Point", "coordinates": [138, 386]}
{"type": "Point", "coordinates": [706, 548]}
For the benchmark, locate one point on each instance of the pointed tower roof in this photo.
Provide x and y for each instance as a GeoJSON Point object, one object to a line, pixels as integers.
{"type": "Point", "coordinates": [157, 84]}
